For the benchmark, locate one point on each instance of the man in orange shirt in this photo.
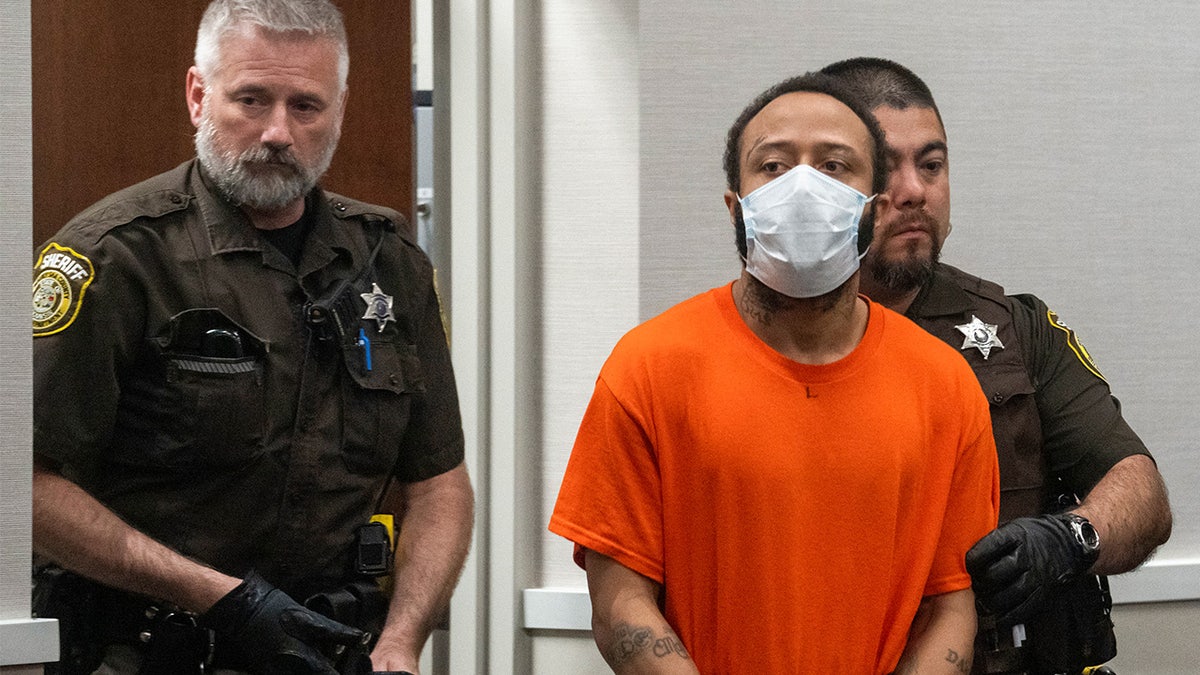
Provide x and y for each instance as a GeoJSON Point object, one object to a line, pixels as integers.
{"type": "Point", "coordinates": [779, 475]}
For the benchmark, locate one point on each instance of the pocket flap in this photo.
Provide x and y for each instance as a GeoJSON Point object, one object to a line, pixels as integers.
{"type": "Point", "coordinates": [392, 367]}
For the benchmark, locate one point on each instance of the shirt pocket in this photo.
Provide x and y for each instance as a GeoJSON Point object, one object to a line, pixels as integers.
{"type": "Point", "coordinates": [205, 405]}
{"type": "Point", "coordinates": [379, 403]}
{"type": "Point", "coordinates": [1017, 428]}
{"type": "Point", "coordinates": [225, 396]}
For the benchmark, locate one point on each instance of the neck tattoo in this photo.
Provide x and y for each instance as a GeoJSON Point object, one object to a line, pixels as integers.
{"type": "Point", "coordinates": [754, 308]}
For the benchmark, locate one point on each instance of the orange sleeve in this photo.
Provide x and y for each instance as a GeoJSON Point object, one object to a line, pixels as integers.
{"type": "Point", "coordinates": [974, 501]}
{"type": "Point", "coordinates": [611, 497]}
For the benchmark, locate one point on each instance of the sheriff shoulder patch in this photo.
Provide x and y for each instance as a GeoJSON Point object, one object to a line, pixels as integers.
{"type": "Point", "coordinates": [1073, 342]}
{"type": "Point", "coordinates": [60, 276]}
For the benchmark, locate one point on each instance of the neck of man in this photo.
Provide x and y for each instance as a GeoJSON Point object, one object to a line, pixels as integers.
{"type": "Point", "coordinates": [813, 331]}
{"type": "Point", "coordinates": [273, 219]}
{"type": "Point", "coordinates": [897, 300]}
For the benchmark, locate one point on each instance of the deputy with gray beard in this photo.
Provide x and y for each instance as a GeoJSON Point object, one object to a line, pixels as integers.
{"type": "Point", "coordinates": [231, 367]}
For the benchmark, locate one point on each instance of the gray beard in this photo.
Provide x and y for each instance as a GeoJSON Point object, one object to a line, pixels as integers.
{"type": "Point", "coordinates": [261, 177]}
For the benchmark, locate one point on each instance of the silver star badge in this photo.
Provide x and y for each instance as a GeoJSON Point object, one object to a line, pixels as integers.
{"type": "Point", "coordinates": [379, 306]}
{"type": "Point", "coordinates": [980, 335]}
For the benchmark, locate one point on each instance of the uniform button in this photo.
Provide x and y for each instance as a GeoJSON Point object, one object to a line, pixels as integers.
{"type": "Point", "coordinates": [394, 378]}
{"type": "Point", "coordinates": [998, 397]}
{"type": "Point", "coordinates": [176, 199]}
{"type": "Point", "coordinates": [339, 206]}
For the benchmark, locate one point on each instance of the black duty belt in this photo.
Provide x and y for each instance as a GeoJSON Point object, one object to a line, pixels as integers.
{"type": "Point", "coordinates": [93, 616]}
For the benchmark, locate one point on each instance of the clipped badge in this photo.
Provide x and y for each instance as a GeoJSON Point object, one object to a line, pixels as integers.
{"type": "Point", "coordinates": [379, 306]}
{"type": "Point", "coordinates": [980, 335]}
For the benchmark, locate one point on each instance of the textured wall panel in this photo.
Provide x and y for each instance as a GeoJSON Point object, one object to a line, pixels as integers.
{"type": "Point", "coordinates": [589, 223]}
{"type": "Point", "coordinates": [16, 179]}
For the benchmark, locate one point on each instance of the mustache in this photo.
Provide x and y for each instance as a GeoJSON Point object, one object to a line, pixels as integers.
{"type": "Point", "coordinates": [914, 220]}
{"type": "Point", "coordinates": [265, 154]}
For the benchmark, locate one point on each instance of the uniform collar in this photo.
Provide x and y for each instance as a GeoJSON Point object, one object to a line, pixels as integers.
{"type": "Point", "coordinates": [328, 238]}
{"type": "Point", "coordinates": [229, 230]}
{"type": "Point", "coordinates": [940, 297]}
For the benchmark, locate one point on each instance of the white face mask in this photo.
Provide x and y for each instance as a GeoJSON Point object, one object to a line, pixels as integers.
{"type": "Point", "coordinates": [802, 232]}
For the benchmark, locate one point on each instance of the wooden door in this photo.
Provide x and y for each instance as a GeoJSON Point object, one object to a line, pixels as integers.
{"type": "Point", "coordinates": [108, 101]}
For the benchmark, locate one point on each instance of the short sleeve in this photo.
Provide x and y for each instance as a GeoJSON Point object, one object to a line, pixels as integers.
{"type": "Point", "coordinates": [973, 507]}
{"type": "Point", "coordinates": [610, 500]}
{"type": "Point", "coordinates": [77, 360]}
{"type": "Point", "coordinates": [1084, 432]}
{"type": "Point", "coordinates": [433, 442]}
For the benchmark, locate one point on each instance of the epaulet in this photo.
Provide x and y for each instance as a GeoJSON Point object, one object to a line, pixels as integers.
{"type": "Point", "coordinates": [1030, 301]}
{"type": "Point", "coordinates": [153, 198]}
{"type": "Point", "coordinates": [344, 208]}
{"type": "Point", "coordinates": [975, 285]}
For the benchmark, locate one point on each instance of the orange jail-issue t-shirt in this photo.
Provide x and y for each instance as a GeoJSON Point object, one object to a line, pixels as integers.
{"type": "Point", "coordinates": [794, 514]}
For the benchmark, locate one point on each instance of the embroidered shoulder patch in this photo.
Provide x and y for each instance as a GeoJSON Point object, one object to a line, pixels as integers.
{"type": "Point", "coordinates": [60, 276]}
{"type": "Point", "coordinates": [1073, 342]}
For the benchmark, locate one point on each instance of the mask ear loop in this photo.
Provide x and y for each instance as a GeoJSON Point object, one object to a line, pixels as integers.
{"type": "Point", "coordinates": [739, 231]}
{"type": "Point", "coordinates": [866, 248]}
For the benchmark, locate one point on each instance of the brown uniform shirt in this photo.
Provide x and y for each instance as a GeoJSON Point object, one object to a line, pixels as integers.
{"type": "Point", "coordinates": [177, 380]}
{"type": "Point", "coordinates": [1058, 428]}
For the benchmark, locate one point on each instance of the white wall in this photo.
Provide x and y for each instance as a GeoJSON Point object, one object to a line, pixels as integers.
{"type": "Point", "coordinates": [16, 201]}
{"type": "Point", "coordinates": [22, 642]}
{"type": "Point", "coordinates": [588, 222]}
{"type": "Point", "coordinates": [1071, 178]}
{"type": "Point", "coordinates": [540, 189]}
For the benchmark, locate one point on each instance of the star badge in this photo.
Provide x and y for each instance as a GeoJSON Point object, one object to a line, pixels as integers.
{"type": "Point", "coordinates": [379, 306]}
{"type": "Point", "coordinates": [980, 335]}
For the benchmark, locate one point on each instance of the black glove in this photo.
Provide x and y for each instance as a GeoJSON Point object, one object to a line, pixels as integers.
{"type": "Point", "coordinates": [1016, 565]}
{"type": "Point", "coordinates": [276, 635]}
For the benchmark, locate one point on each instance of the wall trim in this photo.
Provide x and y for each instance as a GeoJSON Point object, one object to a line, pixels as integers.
{"type": "Point", "coordinates": [26, 642]}
{"type": "Point", "coordinates": [563, 608]}
{"type": "Point", "coordinates": [1158, 581]}
{"type": "Point", "coordinates": [557, 608]}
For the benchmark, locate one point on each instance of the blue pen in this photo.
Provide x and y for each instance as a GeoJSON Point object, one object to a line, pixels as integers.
{"type": "Point", "coordinates": [366, 345]}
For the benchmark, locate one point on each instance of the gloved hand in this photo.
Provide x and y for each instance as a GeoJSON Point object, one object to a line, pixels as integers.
{"type": "Point", "coordinates": [277, 635]}
{"type": "Point", "coordinates": [1015, 566]}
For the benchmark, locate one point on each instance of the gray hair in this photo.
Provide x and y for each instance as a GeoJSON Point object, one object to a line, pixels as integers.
{"type": "Point", "coordinates": [317, 18]}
